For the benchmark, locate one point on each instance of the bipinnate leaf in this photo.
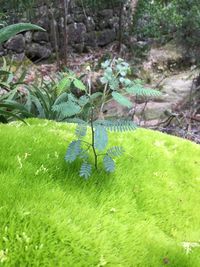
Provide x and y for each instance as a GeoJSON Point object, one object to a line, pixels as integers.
{"type": "Point", "coordinates": [139, 90]}
{"type": "Point", "coordinates": [79, 84]}
{"type": "Point", "coordinates": [96, 95]}
{"type": "Point", "coordinates": [83, 100]}
{"type": "Point", "coordinates": [117, 125]}
{"type": "Point", "coordinates": [115, 151]}
{"type": "Point", "coordinates": [64, 84]}
{"type": "Point", "coordinates": [81, 130]}
{"type": "Point", "coordinates": [100, 138]}
{"type": "Point", "coordinates": [67, 109]}
{"type": "Point", "coordinates": [109, 164]}
{"type": "Point", "coordinates": [85, 170]}
{"type": "Point", "coordinates": [73, 151]}
{"type": "Point", "coordinates": [122, 100]}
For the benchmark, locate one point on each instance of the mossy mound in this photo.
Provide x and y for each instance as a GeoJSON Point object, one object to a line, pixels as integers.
{"type": "Point", "coordinates": [145, 214]}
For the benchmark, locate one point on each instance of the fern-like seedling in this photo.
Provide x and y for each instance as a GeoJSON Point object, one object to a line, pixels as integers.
{"type": "Point", "coordinates": [84, 112]}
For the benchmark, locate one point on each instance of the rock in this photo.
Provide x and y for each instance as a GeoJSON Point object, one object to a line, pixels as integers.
{"type": "Point", "coordinates": [104, 24]}
{"type": "Point", "coordinates": [76, 33]}
{"type": "Point", "coordinates": [40, 37]}
{"type": "Point", "coordinates": [90, 24]}
{"type": "Point", "coordinates": [113, 23]}
{"type": "Point", "coordinates": [69, 19]}
{"type": "Point", "coordinates": [106, 13]}
{"type": "Point", "coordinates": [153, 111]}
{"type": "Point", "coordinates": [90, 39]}
{"type": "Point", "coordinates": [79, 48]}
{"type": "Point", "coordinates": [44, 22]}
{"type": "Point", "coordinates": [105, 37]}
{"type": "Point", "coordinates": [16, 43]}
{"type": "Point", "coordinates": [79, 18]}
{"type": "Point", "coordinates": [2, 50]}
{"type": "Point", "coordinates": [37, 51]}
{"type": "Point", "coordinates": [166, 58]}
{"type": "Point", "coordinates": [28, 37]}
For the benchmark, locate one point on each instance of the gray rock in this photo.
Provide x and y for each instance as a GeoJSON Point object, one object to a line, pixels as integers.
{"type": "Point", "coordinates": [79, 48]}
{"type": "Point", "coordinates": [16, 44]}
{"type": "Point", "coordinates": [106, 13]}
{"type": "Point", "coordinates": [90, 24]}
{"type": "Point", "coordinates": [105, 37]}
{"type": "Point", "coordinates": [103, 24]}
{"type": "Point", "coordinates": [38, 51]}
{"type": "Point", "coordinates": [44, 22]}
{"type": "Point", "coordinates": [39, 37]}
{"type": "Point", "coordinates": [113, 23]}
{"type": "Point", "coordinates": [90, 39]}
{"type": "Point", "coordinates": [70, 19]}
{"type": "Point", "coordinates": [79, 18]}
{"type": "Point", "coordinates": [76, 33]}
{"type": "Point", "coordinates": [2, 51]}
{"type": "Point", "coordinates": [28, 37]}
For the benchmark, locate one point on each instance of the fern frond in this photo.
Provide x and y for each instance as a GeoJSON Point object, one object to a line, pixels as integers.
{"type": "Point", "coordinates": [81, 130]}
{"type": "Point", "coordinates": [67, 109]}
{"type": "Point", "coordinates": [139, 90]}
{"type": "Point", "coordinates": [85, 170]}
{"type": "Point", "coordinates": [100, 138]}
{"type": "Point", "coordinates": [83, 100]}
{"type": "Point", "coordinates": [77, 121]}
{"type": "Point", "coordinates": [115, 151]}
{"type": "Point", "coordinates": [109, 164]}
{"type": "Point", "coordinates": [117, 125]}
{"type": "Point", "coordinates": [73, 151]}
{"type": "Point", "coordinates": [122, 100]}
{"type": "Point", "coordinates": [62, 98]}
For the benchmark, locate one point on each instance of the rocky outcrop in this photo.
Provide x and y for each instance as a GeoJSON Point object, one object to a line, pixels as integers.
{"type": "Point", "coordinates": [87, 27]}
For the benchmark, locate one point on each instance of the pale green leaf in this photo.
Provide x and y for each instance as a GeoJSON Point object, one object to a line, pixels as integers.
{"type": "Point", "coordinates": [121, 99]}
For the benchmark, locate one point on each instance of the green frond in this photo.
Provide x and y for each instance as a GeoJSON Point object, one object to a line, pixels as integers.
{"type": "Point", "coordinates": [62, 98]}
{"type": "Point", "coordinates": [122, 100]}
{"type": "Point", "coordinates": [115, 151]}
{"type": "Point", "coordinates": [117, 125]}
{"type": "Point", "coordinates": [109, 164]}
{"type": "Point", "coordinates": [81, 130]}
{"type": "Point", "coordinates": [64, 84]}
{"type": "Point", "coordinates": [73, 151]}
{"type": "Point", "coordinates": [85, 170]}
{"type": "Point", "coordinates": [83, 100]}
{"type": "Point", "coordinates": [79, 85]}
{"type": "Point", "coordinates": [139, 90]}
{"type": "Point", "coordinates": [77, 121]}
{"type": "Point", "coordinates": [96, 95]}
{"type": "Point", "coordinates": [100, 138]}
{"type": "Point", "coordinates": [67, 109]}
{"type": "Point", "coordinates": [114, 84]}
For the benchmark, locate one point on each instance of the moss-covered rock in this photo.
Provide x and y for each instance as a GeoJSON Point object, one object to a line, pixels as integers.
{"type": "Point", "coordinates": [146, 214]}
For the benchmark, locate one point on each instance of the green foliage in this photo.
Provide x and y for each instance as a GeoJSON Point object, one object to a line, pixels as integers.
{"type": "Point", "coordinates": [99, 4]}
{"type": "Point", "coordinates": [166, 20]}
{"type": "Point", "coordinates": [73, 151]}
{"type": "Point", "coordinates": [86, 170]}
{"type": "Point", "coordinates": [108, 163]}
{"type": "Point", "coordinates": [11, 106]}
{"type": "Point", "coordinates": [11, 30]}
{"type": "Point", "coordinates": [116, 86]}
{"type": "Point", "coordinates": [157, 19]}
{"type": "Point", "coordinates": [60, 100]}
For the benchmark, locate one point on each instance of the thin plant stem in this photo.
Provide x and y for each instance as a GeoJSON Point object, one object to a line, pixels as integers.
{"type": "Point", "coordinates": [93, 147]}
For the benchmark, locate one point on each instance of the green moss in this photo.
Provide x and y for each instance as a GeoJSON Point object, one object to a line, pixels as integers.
{"type": "Point", "coordinates": [139, 216]}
